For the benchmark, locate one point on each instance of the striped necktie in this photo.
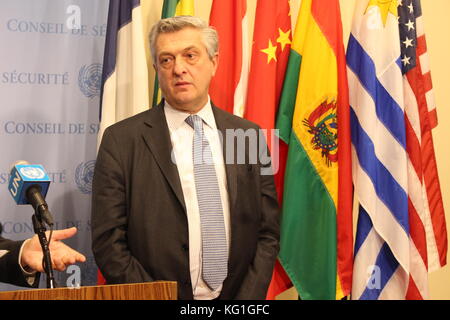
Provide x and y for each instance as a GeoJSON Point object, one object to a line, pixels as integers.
{"type": "Point", "coordinates": [214, 244]}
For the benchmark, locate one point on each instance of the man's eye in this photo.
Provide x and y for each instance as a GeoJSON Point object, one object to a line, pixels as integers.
{"type": "Point", "coordinates": [191, 56]}
{"type": "Point", "coordinates": [165, 61]}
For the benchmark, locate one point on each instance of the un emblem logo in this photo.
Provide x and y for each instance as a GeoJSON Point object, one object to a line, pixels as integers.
{"type": "Point", "coordinates": [32, 173]}
{"type": "Point", "coordinates": [84, 175]}
{"type": "Point", "coordinates": [90, 79]}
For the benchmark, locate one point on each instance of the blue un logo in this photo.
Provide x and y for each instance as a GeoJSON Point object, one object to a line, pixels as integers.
{"type": "Point", "coordinates": [84, 175]}
{"type": "Point", "coordinates": [90, 79]}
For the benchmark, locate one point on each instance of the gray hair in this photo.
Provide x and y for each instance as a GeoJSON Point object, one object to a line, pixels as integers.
{"type": "Point", "coordinates": [174, 24]}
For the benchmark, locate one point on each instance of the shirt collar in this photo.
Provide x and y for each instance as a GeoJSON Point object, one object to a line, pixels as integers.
{"type": "Point", "coordinates": [176, 118]}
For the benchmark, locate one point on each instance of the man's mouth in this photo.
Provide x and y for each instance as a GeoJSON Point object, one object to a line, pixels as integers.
{"type": "Point", "coordinates": [182, 84]}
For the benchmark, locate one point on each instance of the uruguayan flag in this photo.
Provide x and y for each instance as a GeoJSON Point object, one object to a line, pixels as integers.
{"type": "Point", "coordinates": [381, 267]}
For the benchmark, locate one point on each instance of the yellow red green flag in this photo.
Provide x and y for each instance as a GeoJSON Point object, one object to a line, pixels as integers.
{"type": "Point", "coordinates": [313, 119]}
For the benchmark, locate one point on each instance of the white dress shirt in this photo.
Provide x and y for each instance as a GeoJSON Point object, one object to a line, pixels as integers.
{"type": "Point", "coordinates": [182, 135]}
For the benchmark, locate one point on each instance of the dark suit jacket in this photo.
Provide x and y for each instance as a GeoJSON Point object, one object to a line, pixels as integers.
{"type": "Point", "coordinates": [139, 221]}
{"type": "Point", "coordinates": [10, 271]}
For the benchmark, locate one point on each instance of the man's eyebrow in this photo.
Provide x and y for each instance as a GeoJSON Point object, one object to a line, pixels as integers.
{"type": "Point", "coordinates": [191, 48]}
{"type": "Point", "coordinates": [163, 53]}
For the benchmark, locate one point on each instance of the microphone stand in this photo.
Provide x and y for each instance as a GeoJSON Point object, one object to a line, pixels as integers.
{"type": "Point", "coordinates": [39, 229]}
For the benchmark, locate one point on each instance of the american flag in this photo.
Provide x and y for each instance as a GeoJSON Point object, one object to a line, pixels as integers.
{"type": "Point", "coordinates": [413, 46]}
{"type": "Point", "coordinates": [426, 212]}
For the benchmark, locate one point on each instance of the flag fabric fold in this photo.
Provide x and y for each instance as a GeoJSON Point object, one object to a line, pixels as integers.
{"type": "Point", "coordinates": [228, 88]}
{"type": "Point", "coordinates": [313, 119]}
{"type": "Point", "coordinates": [125, 77]}
{"type": "Point", "coordinates": [421, 118]}
{"type": "Point", "coordinates": [270, 52]}
{"type": "Point", "coordinates": [379, 153]}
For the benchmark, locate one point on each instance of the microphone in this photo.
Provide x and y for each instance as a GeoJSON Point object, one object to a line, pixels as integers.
{"type": "Point", "coordinates": [28, 184]}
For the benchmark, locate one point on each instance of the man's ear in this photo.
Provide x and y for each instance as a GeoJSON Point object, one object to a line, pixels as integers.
{"type": "Point", "coordinates": [215, 61]}
{"type": "Point", "coordinates": [154, 67]}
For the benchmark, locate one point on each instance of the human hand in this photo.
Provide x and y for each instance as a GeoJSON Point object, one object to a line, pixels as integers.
{"type": "Point", "coordinates": [61, 254]}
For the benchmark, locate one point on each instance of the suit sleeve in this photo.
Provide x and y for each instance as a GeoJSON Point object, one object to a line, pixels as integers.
{"type": "Point", "coordinates": [10, 270]}
{"type": "Point", "coordinates": [257, 280]}
{"type": "Point", "coordinates": [109, 217]}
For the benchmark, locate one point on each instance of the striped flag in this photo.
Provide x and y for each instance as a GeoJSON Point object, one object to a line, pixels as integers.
{"type": "Point", "coordinates": [313, 119]}
{"type": "Point", "coordinates": [228, 88]}
{"type": "Point", "coordinates": [379, 153]}
{"type": "Point", "coordinates": [125, 76]}
{"type": "Point", "coordinates": [172, 8]}
{"type": "Point", "coordinates": [414, 46]}
{"type": "Point", "coordinates": [426, 212]}
{"type": "Point", "coordinates": [400, 233]}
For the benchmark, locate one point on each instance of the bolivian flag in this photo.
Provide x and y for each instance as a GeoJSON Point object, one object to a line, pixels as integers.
{"type": "Point", "coordinates": [172, 8]}
{"type": "Point", "coordinates": [313, 119]}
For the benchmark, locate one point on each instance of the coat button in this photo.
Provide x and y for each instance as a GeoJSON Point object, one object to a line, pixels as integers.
{"type": "Point", "coordinates": [185, 247]}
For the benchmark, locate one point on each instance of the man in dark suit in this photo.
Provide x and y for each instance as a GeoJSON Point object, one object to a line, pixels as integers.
{"type": "Point", "coordinates": [155, 208]}
{"type": "Point", "coordinates": [20, 261]}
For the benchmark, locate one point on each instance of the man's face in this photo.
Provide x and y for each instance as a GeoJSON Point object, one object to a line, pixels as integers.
{"type": "Point", "coordinates": [184, 69]}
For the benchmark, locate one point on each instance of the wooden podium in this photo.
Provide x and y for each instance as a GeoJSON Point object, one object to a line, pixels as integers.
{"type": "Point", "coordinates": [158, 290]}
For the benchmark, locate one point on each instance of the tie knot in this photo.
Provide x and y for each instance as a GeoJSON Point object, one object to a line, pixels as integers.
{"type": "Point", "coordinates": [195, 122]}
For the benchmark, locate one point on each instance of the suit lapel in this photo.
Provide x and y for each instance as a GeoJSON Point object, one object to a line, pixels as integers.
{"type": "Point", "coordinates": [157, 137]}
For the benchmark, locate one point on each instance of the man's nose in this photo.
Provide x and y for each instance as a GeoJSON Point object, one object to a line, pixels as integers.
{"type": "Point", "coordinates": [179, 67]}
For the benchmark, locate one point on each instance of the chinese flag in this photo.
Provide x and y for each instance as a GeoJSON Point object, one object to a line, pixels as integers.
{"type": "Point", "coordinates": [270, 53]}
{"type": "Point", "coordinates": [271, 46]}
